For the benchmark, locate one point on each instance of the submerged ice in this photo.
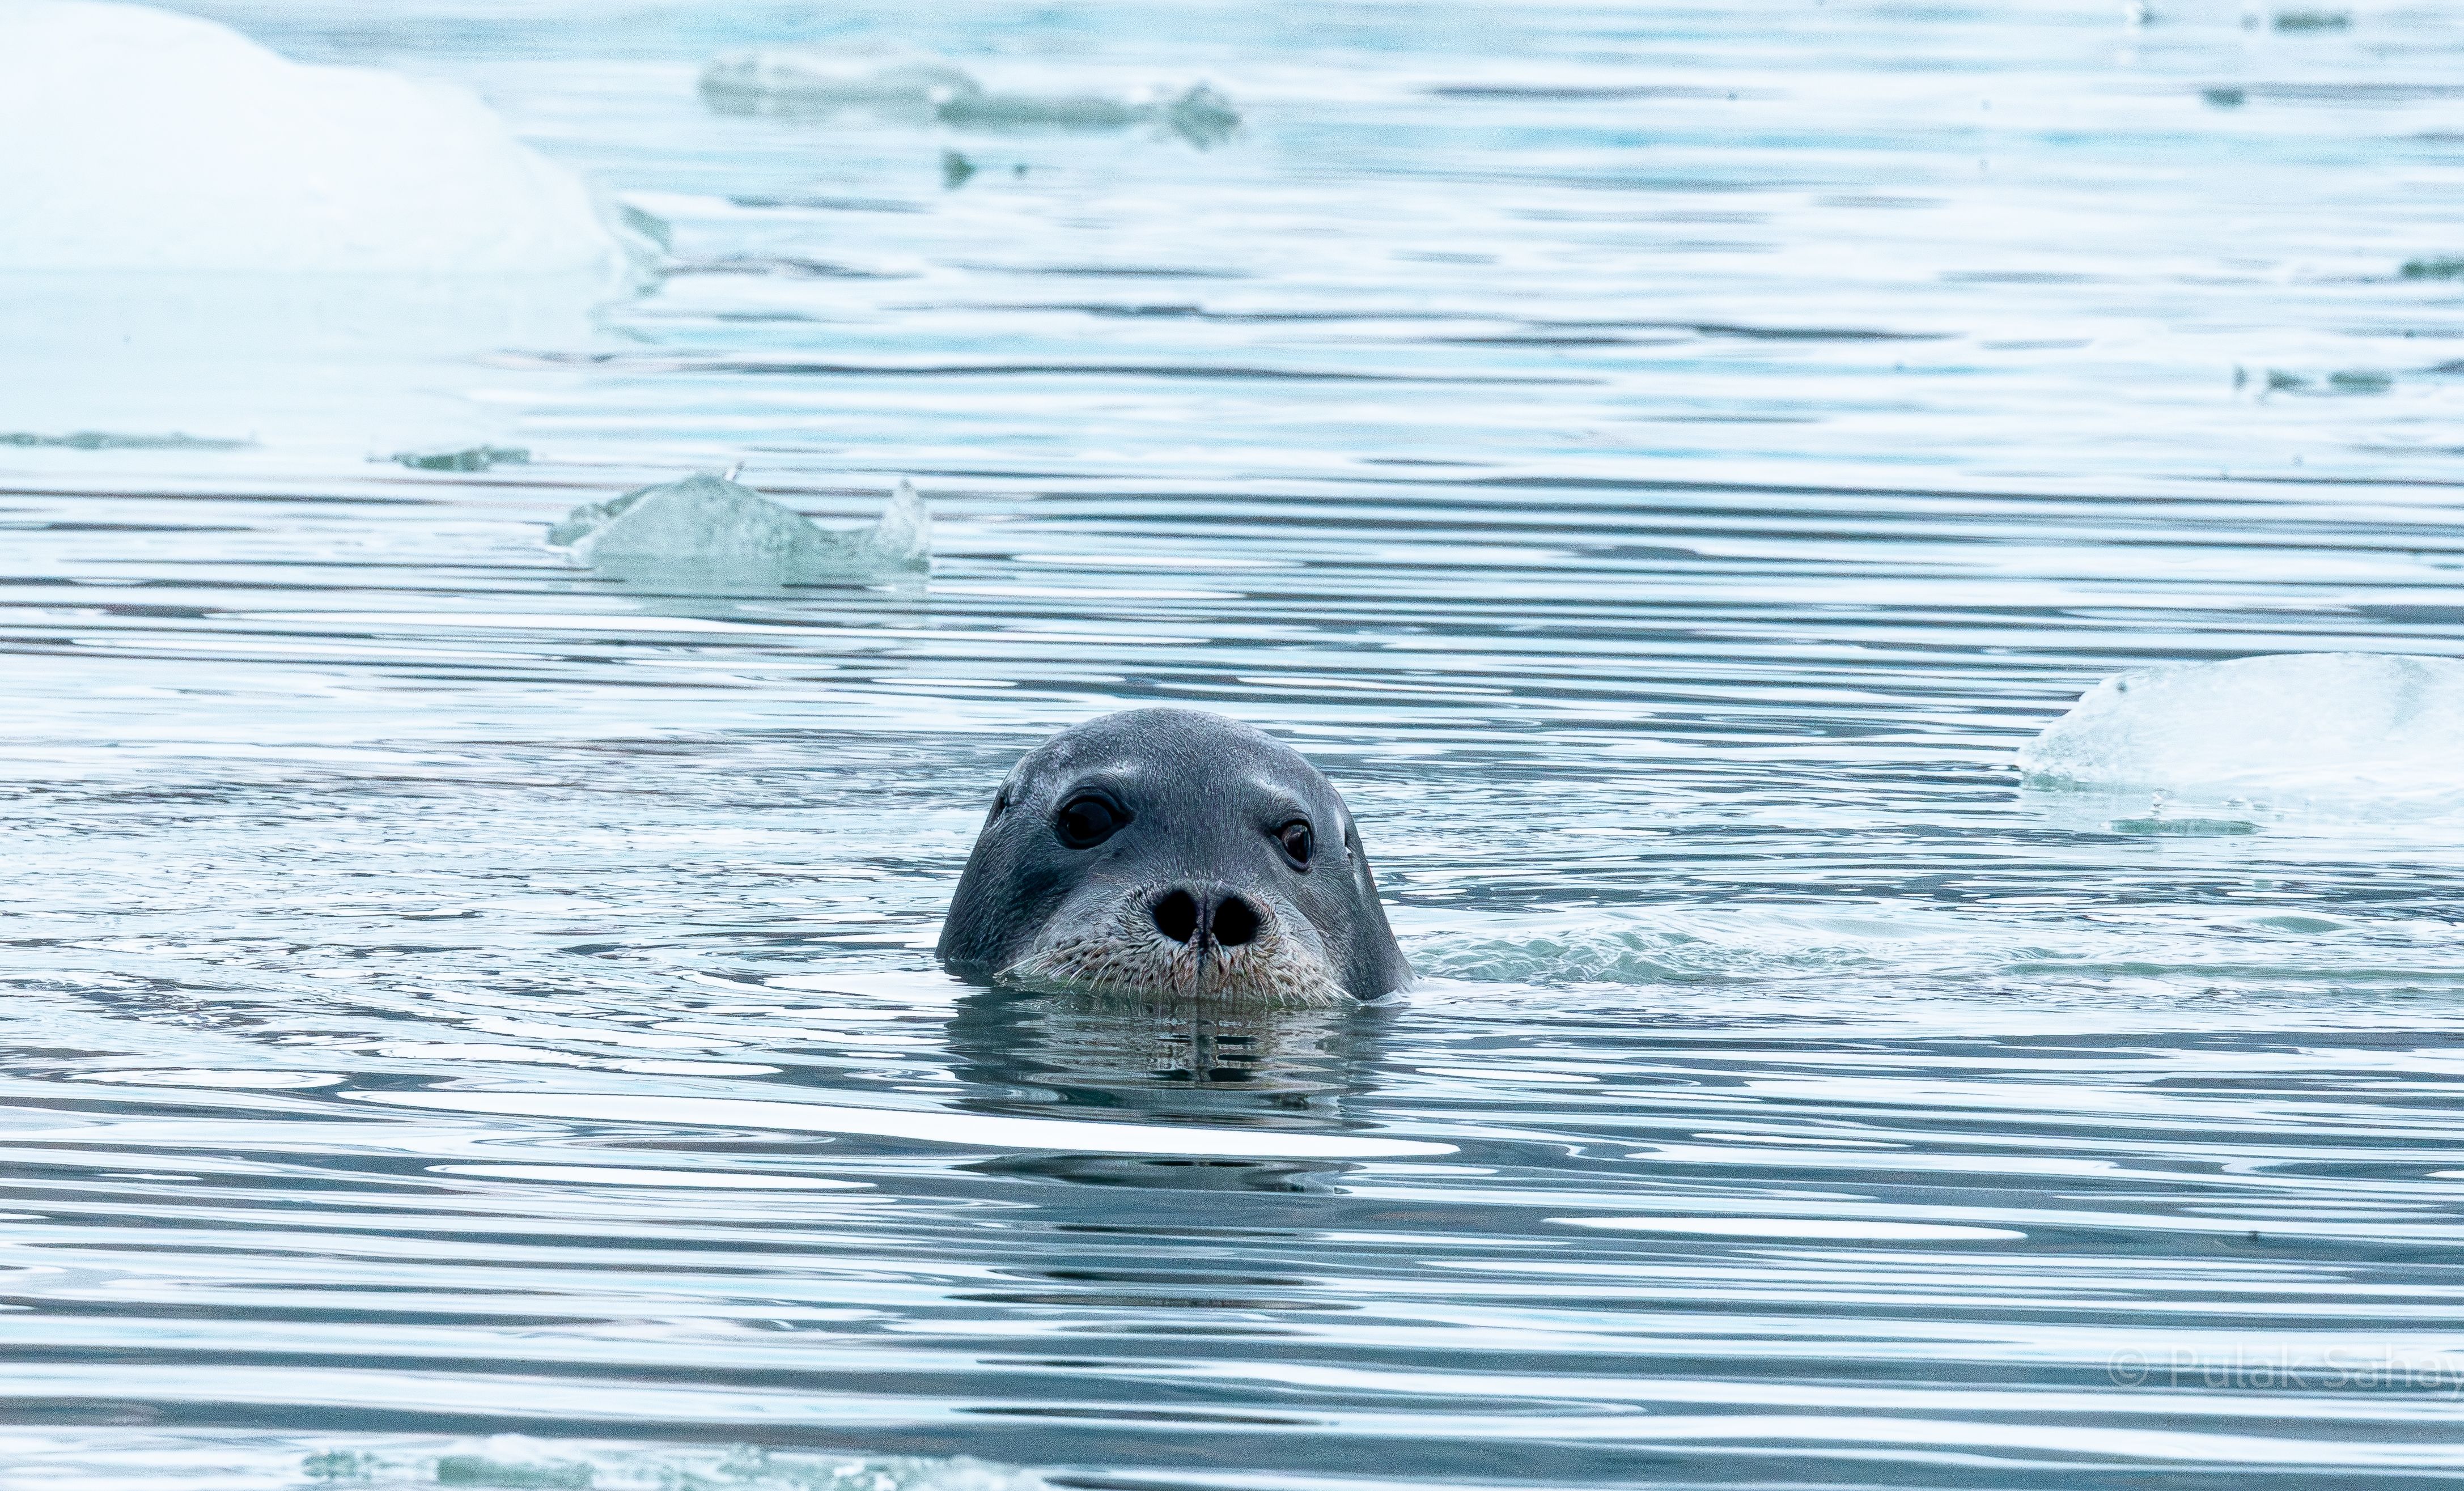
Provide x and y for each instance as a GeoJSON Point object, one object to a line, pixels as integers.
{"type": "Point", "coordinates": [2312, 723]}
{"type": "Point", "coordinates": [929, 89]}
{"type": "Point", "coordinates": [138, 138]}
{"type": "Point", "coordinates": [710, 524]}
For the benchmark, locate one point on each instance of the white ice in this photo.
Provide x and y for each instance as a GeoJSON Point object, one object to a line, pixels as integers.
{"type": "Point", "coordinates": [138, 138]}
{"type": "Point", "coordinates": [810, 80]}
{"type": "Point", "coordinates": [2323, 724]}
{"type": "Point", "coordinates": [710, 524]}
{"type": "Point", "coordinates": [200, 238]}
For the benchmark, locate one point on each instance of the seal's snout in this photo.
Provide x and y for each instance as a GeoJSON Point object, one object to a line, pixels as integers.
{"type": "Point", "coordinates": [1197, 916]}
{"type": "Point", "coordinates": [1184, 938]}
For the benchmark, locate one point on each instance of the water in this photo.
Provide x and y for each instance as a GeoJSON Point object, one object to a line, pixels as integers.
{"type": "Point", "coordinates": [1662, 464]}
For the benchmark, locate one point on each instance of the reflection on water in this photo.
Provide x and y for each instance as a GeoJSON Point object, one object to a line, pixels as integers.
{"type": "Point", "coordinates": [1661, 466]}
{"type": "Point", "coordinates": [1113, 1051]}
{"type": "Point", "coordinates": [1277, 1074]}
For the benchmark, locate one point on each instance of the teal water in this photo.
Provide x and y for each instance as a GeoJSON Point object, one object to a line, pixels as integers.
{"type": "Point", "coordinates": [471, 1022]}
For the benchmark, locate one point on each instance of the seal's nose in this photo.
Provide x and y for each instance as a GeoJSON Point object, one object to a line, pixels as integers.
{"type": "Point", "coordinates": [1233, 921]}
{"type": "Point", "coordinates": [1176, 915]}
{"type": "Point", "coordinates": [1189, 916]}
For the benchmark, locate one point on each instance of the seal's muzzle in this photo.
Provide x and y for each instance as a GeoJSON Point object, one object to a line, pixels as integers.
{"type": "Point", "coordinates": [1202, 941]}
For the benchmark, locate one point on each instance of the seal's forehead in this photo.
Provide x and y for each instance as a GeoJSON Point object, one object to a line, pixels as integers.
{"type": "Point", "coordinates": [1180, 745]}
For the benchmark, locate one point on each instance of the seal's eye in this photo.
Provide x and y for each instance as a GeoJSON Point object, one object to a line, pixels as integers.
{"type": "Point", "coordinates": [1085, 823]}
{"type": "Point", "coordinates": [1294, 837]}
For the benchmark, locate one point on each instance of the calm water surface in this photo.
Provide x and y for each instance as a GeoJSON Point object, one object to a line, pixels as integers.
{"type": "Point", "coordinates": [1661, 462]}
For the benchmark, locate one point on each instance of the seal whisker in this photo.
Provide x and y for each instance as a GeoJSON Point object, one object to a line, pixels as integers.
{"type": "Point", "coordinates": [1124, 956]}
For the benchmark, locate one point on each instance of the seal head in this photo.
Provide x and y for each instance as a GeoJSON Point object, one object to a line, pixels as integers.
{"type": "Point", "coordinates": [1173, 853]}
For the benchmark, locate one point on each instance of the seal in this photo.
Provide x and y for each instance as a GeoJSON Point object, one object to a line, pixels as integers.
{"type": "Point", "coordinates": [1172, 853]}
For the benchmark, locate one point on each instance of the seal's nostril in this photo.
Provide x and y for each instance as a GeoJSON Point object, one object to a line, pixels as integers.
{"type": "Point", "coordinates": [1176, 915]}
{"type": "Point", "coordinates": [1235, 921]}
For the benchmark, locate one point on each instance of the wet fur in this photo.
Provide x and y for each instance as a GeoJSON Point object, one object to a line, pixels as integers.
{"type": "Point", "coordinates": [1128, 958]}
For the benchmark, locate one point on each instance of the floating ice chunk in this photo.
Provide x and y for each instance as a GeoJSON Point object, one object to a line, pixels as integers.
{"type": "Point", "coordinates": [928, 89]}
{"type": "Point", "coordinates": [1199, 115]}
{"type": "Point", "coordinates": [709, 523]}
{"type": "Point", "coordinates": [108, 440]}
{"type": "Point", "coordinates": [463, 458]}
{"type": "Point", "coordinates": [2310, 723]}
{"type": "Point", "coordinates": [2158, 827]}
{"type": "Point", "coordinates": [1041, 111]}
{"type": "Point", "coordinates": [813, 81]}
{"type": "Point", "coordinates": [403, 1461]}
{"type": "Point", "coordinates": [138, 138]}
{"type": "Point", "coordinates": [520, 1461]}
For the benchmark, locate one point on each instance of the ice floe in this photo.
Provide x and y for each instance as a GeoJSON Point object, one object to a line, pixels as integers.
{"type": "Point", "coordinates": [139, 139]}
{"type": "Point", "coordinates": [815, 82]}
{"type": "Point", "coordinates": [463, 458]}
{"type": "Point", "coordinates": [520, 1461]}
{"type": "Point", "coordinates": [928, 89]}
{"type": "Point", "coordinates": [713, 525]}
{"type": "Point", "coordinates": [113, 440]}
{"type": "Point", "coordinates": [2329, 724]}
{"type": "Point", "coordinates": [209, 247]}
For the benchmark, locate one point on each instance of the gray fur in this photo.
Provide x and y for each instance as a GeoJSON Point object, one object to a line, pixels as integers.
{"type": "Point", "coordinates": [1205, 797]}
